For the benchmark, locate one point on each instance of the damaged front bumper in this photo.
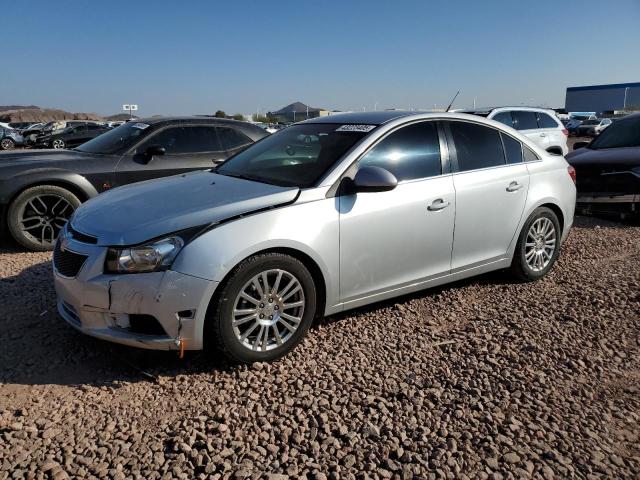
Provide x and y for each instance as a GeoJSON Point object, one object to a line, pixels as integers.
{"type": "Point", "coordinates": [156, 310]}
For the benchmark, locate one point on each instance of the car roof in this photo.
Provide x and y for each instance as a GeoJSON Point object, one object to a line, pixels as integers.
{"type": "Point", "coordinates": [488, 110]}
{"type": "Point", "coordinates": [366, 118]}
{"type": "Point", "coordinates": [186, 119]}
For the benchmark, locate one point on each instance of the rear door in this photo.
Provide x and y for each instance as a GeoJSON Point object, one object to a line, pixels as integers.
{"type": "Point", "coordinates": [553, 130]}
{"type": "Point", "coordinates": [189, 147]}
{"type": "Point", "coordinates": [491, 183]}
{"type": "Point", "coordinates": [526, 121]}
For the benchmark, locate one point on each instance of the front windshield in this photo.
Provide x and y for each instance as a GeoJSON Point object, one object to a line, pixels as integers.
{"type": "Point", "coordinates": [297, 156]}
{"type": "Point", "coordinates": [623, 133]}
{"type": "Point", "coordinates": [117, 140]}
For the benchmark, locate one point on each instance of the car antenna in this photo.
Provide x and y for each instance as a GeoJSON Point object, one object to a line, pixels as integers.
{"type": "Point", "coordinates": [453, 100]}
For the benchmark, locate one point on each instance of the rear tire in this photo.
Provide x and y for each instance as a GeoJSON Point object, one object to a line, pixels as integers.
{"type": "Point", "coordinates": [538, 245]}
{"type": "Point", "coordinates": [37, 215]}
{"type": "Point", "coordinates": [7, 144]}
{"type": "Point", "coordinates": [250, 323]}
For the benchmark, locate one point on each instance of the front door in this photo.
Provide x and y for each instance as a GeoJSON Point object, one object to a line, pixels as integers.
{"type": "Point", "coordinates": [390, 240]}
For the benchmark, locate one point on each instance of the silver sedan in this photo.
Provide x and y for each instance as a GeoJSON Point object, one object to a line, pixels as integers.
{"type": "Point", "coordinates": [327, 215]}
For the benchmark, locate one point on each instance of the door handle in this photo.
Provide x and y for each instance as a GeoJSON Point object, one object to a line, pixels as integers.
{"type": "Point", "coordinates": [514, 186]}
{"type": "Point", "coordinates": [438, 204]}
{"type": "Point", "coordinates": [543, 134]}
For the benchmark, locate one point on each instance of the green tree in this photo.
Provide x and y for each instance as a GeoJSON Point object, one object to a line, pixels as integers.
{"type": "Point", "coordinates": [220, 114]}
{"type": "Point", "coordinates": [238, 116]}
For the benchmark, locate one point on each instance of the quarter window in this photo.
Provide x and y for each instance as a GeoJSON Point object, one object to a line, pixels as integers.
{"type": "Point", "coordinates": [545, 121]}
{"type": "Point", "coordinates": [512, 149]}
{"type": "Point", "coordinates": [232, 138]}
{"type": "Point", "coordinates": [409, 153]}
{"type": "Point", "coordinates": [477, 146]}
{"type": "Point", "coordinates": [523, 120]}
{"type": "Point", "coordinates": [504, 117]}
{"type": "Point", "coordinates": [530, 155]}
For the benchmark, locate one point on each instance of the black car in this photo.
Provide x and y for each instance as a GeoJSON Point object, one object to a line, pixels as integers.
{"type": "Point", "coordinates": [39, 190]}
{"type": "Point", "coordinates": [70, 137]}
{"type": "Point", "coordinates": [608, 170]}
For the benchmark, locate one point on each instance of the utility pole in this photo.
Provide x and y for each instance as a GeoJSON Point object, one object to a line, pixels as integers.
{"type": "Point", "coordinates": [624, 104]}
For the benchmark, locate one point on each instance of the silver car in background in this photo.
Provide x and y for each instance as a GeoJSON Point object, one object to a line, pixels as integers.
{"type": "Point", "coordinates": [326, 215]}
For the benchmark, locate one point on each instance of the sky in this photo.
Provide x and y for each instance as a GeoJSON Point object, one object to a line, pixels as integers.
{"type": "Point", "coordinates": [195, 57]}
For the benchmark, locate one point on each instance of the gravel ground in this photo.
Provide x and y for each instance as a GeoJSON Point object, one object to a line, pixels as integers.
{"type": "Point", "coordinates": [481, 379]}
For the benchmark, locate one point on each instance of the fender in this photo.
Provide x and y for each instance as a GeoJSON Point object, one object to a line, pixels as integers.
{"type": "Point", "coordinates": [42, 176]}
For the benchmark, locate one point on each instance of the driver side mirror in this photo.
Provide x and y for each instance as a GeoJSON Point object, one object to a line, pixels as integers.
{"type": "Point", "coordinates": [373, 179]}
{"type": "Point", "coordinates": [152, 151]}
{"type": "Point", "coordinates": [578, 145]}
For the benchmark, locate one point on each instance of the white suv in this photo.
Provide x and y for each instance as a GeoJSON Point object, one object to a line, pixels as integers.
{"type": "Point", "coordinates": [539, 124]}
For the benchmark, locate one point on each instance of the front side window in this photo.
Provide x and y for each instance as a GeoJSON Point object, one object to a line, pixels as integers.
{"type": "Point", "coordinates": [409, 153]}
{"type": "Point", "coordinates": [512, 149]}
{"type": "Point", "coordinates": [232, 138]}
{"type": "Point", "coordinates": [523, 120]}
{"type": "Point", "coordinates": [178, 140]}
{"type": "Point", "coordinates": [476, 146]}
{"type": "Point", "coordinates": [545, 121]}
{"type": "Point", "coordinates": [296, 156]}
{"type": "Point", "coordinates": [505, 118]}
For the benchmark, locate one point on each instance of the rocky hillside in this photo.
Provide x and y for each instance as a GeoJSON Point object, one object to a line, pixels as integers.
{"type": "Point", "coordinates": [35, 114]}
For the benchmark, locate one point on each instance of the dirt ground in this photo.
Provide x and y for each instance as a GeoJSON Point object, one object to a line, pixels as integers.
{"type": "Point", "coordinates": [485, 378]}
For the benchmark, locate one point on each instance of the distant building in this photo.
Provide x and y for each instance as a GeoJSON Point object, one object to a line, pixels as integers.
{"type": "Point", "coordinates": [603, 98]}
{"type": "Point", "coordinates": [296, 112]}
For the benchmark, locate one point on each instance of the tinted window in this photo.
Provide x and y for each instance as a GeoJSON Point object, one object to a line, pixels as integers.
{"type": "Point", "coordinates": [524, 120]}
{"type": "Point", "coordinates": [409, 153]}
{"type": "Point", "coordinates": [530, 155]}
{"type": "Point", "coordinates": [477, 146]}
{"type": "Point", "coordinates": [94, 127]}
{"type": "Point", "coordinates": [512, 149]}
{"type": "Point", "coordinates": [623, 133]}
{"type": "Point", "coordinates": [504, 117]}
{"type": "Point", "coordinates": [296, 156]}
{"type": "Point", "coordinates": [545, 121]}
{"type": "Point", "coordinates": [178, 140]}
{"type": "Point", "coordinates": [232, 138]}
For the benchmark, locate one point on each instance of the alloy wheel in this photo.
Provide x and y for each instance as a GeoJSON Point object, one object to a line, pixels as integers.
{"type": "Point", "coordinates": [58, 143]}
{"type": "Point", "coordinates": [6, 144]}
{"type": "Point", "coordinates": [268, 310]}
{"type": "Point", "coordinates": [44, 216]}
{"type": "Point", "coordinates": [540, 244]}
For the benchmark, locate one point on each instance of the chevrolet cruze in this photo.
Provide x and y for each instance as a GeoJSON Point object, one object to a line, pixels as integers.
{"type": "Point", "coordinates": [326, 215]}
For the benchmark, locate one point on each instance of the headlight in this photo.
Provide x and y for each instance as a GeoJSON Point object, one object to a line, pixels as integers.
{"type": "Point", "coordinates": [158, 255]}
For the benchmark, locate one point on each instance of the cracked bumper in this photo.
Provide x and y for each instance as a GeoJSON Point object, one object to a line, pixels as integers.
{"type": "Point", "coordinates": [102, 305]}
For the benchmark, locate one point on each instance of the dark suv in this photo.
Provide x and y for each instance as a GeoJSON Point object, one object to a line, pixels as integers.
{"type": "Point", "coordinates": [39, 190]}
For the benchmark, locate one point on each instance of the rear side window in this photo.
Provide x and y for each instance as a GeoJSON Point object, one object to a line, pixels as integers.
{"type": "Point", "coordinates": [545, 121]}
{"type": "Point", "coordinates": [524, 120]}
{"type": "Point", "coordinates": [409, 153]}
{"type": "Point", "coordinates": [512, 149]}
{"type": "Point", "coordinates": [232, 138]}
{"type": "Point", "coordinates": [504, 117]}
{"type": "Point", "coordinates": [477, 146]}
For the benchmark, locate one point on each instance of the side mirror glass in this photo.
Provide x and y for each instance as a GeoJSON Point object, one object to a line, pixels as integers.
{"type": "Point", "coordinates": [578, 145]}
{"type": "Point", "coordinates": [374, 179]}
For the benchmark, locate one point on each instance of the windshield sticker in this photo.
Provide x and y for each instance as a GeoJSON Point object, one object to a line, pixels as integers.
{"type": "Point", "coordinates": [355, 128]}
{"type": "Point", "coordinates": [141, 126]}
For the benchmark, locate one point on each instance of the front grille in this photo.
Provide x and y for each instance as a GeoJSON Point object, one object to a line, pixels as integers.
{"type": "Point", "coordinates": [81, 237]}
{"type": "Point", "coordinates": [67, 263]}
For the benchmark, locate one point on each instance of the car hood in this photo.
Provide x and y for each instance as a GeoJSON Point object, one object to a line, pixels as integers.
{"type": "Point", "coordinates": [608, 157]}
{"type": "Point", "coordinates": [27, 157]}
{"type": "Point", "coordinates": [135, 213]}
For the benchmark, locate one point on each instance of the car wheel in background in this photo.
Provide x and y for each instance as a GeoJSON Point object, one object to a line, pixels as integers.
{"type": "Point", "coordinates": [37, 215]}
{"type": "Point", "coordinates": [58, 143]}
{"type": "Point", "coordinates": [263, 310]}
{"type": "Point", "coordinates": [7, 144]}
{"type": "Point", "coordinates": [538, 245]}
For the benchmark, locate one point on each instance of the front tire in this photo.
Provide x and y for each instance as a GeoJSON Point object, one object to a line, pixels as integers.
{"type": "Point", "coordinates": [538, 245]}
{"type": "Point", "coordinates": [263, 310]}
{"type": "Point", "coordinates": [58, 144]}
{"type": "Point", "coordinates": [37, 215]}
{"type": "Point", "coordinates": [7, 144]}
